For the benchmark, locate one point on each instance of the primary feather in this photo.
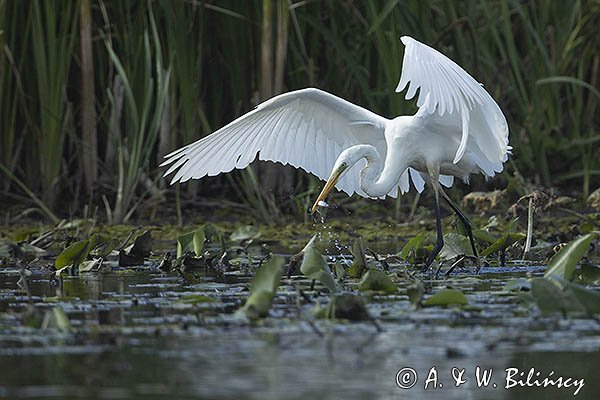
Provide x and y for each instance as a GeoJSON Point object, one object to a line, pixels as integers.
{"type": "Point", "coordinates": [289, 129]}
{"type": "Point", "coordinates": [451, 97]}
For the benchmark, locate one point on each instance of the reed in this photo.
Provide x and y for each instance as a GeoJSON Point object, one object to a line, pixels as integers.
{"type": "Point", "coordinates": [169, 72]}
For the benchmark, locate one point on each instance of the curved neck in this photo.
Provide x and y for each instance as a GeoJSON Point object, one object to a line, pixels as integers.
{"type": "Point", "coordinates": [376, 179]}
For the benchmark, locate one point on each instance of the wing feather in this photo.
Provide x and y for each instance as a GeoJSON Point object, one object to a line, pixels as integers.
{"type": "Point", "coordinates": [306, 128]}
{"type": "Point", "coordinates": [449, 96]}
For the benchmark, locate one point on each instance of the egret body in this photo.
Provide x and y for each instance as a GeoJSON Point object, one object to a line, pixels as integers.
{"type": "Point", "coordinates": [458, 130]}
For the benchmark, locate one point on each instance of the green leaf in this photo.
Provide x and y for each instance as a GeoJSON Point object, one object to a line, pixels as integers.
{"type": "Point", "coordinates": [198, 241]}
{"type": "Point", "coordinates": [483, 236]}
{"type": "Point", "coordinates": [411, 247]}
{"type": "Point", "coordinates": [315, 267]}
{"type": "Point", "coordinates": [185, 243]}
{"type": "Point", "coordinates": [455, 245]}
{"type": "Point", "coordinates": [503, 243]}
{"type": "Point", "coordinates": [263, 288]}
{"type": "Point", "coordinates": [359, 261]}
{"type": "Point", "coordinates": [563, 264]}
{"type": "Point", "coordinates": [588, 298]}
{"type": "Point", "coordinates": [248, 232]}
{"type": "Point", "coordinates": [446, 297]}
{"type": "Point", "coordinates": [75, 254]}
{"type": "Point", "coordinates": [192, 241]}
{"type": "Point", "coordinates": [551, 298]}
{"type": "Point", "coordinates": [377, 280]}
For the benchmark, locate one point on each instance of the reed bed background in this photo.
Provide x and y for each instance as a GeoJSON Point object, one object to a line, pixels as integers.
{"type": "Point", "coordinates": [94, 93]}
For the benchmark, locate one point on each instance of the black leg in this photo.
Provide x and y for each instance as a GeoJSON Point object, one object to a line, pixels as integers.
{"type": "Point", "coordinates": [440, 236]}
{"type": "Point", "coordinates": [463, 218]}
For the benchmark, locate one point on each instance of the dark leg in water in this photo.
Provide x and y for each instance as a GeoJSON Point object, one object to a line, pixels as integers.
{"type": "Point", "coordinates": [463, 218]}
{"type": "Point", "coordinates": [440, 236]}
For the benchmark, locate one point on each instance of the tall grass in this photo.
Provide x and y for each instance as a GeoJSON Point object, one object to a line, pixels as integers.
{"type": "Point", "coordinates": [142, 80]}
{"type": "Point", "coordinates": [166, 73]}
{"type": "Point", "coordinates": [53, 34]}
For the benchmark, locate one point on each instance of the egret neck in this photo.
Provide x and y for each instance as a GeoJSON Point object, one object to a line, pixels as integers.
{"type": "Point", "coordinates": [375, 180]}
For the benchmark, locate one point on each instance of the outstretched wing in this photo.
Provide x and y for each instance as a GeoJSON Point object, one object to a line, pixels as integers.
{"type": "Point", "coordinates": [448, 91]}
{"type": "Point", "coordinates": [306, 128]}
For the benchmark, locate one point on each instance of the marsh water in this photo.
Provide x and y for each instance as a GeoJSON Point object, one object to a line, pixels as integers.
{"type": "Point", "coordinates": [143, 333]}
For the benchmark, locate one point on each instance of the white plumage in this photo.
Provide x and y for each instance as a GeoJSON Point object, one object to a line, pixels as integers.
{"type": "Point", "coordinates": [458, 130]}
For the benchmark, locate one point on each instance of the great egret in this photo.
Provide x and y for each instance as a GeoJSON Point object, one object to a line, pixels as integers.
{"type": "Point", "coordinates": [458, 130]}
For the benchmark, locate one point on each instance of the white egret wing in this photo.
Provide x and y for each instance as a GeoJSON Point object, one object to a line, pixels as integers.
{"type": "Point", "coordinates": [306, 128]}
{"type": "Point", "coordinates": [449, 96]}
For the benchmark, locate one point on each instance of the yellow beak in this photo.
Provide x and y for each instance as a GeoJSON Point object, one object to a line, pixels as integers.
{"type": "Point", "coordinates": [331, 182]}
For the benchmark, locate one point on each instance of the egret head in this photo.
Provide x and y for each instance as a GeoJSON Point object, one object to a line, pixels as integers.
{"type": "Point", "coordinates": [346, 159]}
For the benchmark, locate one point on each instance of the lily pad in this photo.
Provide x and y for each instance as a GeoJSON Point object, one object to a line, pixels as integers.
{"type": "Point", "coordinates": [564, 262]}
{"type": "Point", "coordinates": [503, 243]}
{"type": "Point", "coordinates": [378, 281]}
{"type": "Point", "coordinates": [263, 288]}
{"type": "Point", "coordinates": [446, 297]}
{"type": "Point", "coordinates": [191, 241]}
{"type": "Point", "coordinates": [75, 254]}
{"type": "Point", "coordinates": [315, 267]}
{"type": "Point", "coordinates": [455, 245]}
{"type": "Point", "coordinates": [359, 261]}
{"type": "Point", "coordinates": [412, 247]}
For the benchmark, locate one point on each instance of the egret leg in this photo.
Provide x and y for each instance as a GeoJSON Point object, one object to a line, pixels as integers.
{"type": "Point", "coordinates": [463, 218]}
{"type": "Point", "coordinates": [440, 236]}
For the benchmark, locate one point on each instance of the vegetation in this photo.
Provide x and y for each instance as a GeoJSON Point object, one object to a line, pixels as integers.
{"type": "Point", "coordinates": [94, 93]}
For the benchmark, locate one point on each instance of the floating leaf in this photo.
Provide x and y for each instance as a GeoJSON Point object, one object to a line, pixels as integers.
{"type": "Point", "coordinates": [348, 306]}
{"type": "Point", "coordinates": [412, 247]}
{"type": "Point", "coordinates": [446, 297]}
{"type": "Point", "coordinates": [551, 298]}
{"type": "Point", "coordinates": [75, 254]}
{"type": "Point", "coordinates": [377, 280]}
{"type": "Point", "coordinates": [455, 245]}
{"type": "Point", "coordinates": [185, 243]}
{"type": "Point", "coordinates": [248, 232]}
{"type": "Point", "coordinates": [192, 241]}
{"type": "Point", "coordinates": [359, 261]}
{"type": "Point", "coordinates": [503, 243]}
{"type": "Point", "coordinates": [315, 267]}
{"type": "Point", "coordinates": [563, 264]}
{"type": "Point", "coordinates": [339, 271]}
{"type": "Point", "coordinates": [484, 236]}
{"type": "Point", "coordinates": [588, 298]}
{"type": "Point", "coordinates": [263, 288]}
